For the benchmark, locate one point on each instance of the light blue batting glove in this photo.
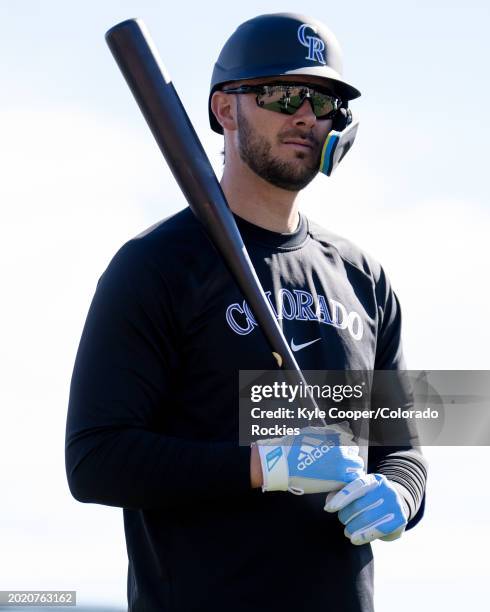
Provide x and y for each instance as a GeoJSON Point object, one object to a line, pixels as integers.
{"type": "Point", "coordinates": [318, 460]}
{"type": "Point", "coordinates": [370, 507]}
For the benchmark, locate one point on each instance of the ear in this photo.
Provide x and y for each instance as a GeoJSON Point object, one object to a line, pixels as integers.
{"type": "Point", "coordinates": [224, 109]}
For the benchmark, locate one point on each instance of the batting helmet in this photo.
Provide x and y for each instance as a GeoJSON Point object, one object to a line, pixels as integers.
{"type": "Point", "coordinates": [280, 44]}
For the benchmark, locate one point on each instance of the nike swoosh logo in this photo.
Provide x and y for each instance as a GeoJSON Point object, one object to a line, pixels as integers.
{"type": "Point", "coordinates": [298, 347]}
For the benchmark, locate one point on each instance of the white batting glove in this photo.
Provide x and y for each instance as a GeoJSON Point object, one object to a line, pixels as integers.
{"type": "Point", "coordinates": [370, 508]}
{"type": "Point", "coordinates": [318, 460]}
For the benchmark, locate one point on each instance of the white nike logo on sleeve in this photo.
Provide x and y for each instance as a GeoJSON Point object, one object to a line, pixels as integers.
{"type": "Point", "coordinates": [298, 347]}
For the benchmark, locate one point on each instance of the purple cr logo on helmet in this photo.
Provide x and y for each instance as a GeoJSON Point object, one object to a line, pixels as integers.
{"type": "Point", "coordinates": [316, 46]}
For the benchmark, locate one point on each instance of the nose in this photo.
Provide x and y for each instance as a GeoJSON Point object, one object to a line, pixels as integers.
{"type": "Point", "coordinates": [304, 115]}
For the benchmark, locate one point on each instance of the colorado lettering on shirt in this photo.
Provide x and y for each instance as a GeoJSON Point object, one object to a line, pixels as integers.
{"type": "Point", "coordinates": [297, 305]}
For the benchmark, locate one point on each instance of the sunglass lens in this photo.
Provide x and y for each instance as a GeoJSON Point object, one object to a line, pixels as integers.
{"type": "Point", "coordinates": [275, 99]}
{"type": "Point", "coordinates": [323, 105]}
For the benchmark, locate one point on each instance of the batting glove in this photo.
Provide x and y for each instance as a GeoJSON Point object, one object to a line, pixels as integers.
{"type": "Point", "coordinates": [318, 460]}
{"type": "Point", "coordinates": [370, 508]}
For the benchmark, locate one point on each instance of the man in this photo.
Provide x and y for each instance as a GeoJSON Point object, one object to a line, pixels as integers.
{"type": "Point", "coordinates": [153, 416]}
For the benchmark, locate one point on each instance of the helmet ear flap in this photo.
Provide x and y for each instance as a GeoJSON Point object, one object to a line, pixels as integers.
{"type": "Point", "coordinates": [342, 119]}
{"type": "Point", "coordinates": [339, 140]}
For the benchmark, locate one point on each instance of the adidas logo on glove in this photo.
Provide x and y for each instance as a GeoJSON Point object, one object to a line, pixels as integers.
{"type": "Point", "coordinates": [311, 450]}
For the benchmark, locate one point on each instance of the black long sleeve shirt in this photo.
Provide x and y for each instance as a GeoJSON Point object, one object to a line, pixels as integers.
{"type": "Point", "coordinates": [153, 420]}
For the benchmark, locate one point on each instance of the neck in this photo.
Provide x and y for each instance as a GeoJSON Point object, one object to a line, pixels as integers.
{"type": "Point", "coordinates": [257, 201]}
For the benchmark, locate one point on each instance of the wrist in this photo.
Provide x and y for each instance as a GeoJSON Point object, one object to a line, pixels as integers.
{"type": "Point", "coordinates": [256, 476]}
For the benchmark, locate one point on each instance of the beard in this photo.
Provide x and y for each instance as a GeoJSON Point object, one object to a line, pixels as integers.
{"type": "Point", "coordinates": [255, 151]}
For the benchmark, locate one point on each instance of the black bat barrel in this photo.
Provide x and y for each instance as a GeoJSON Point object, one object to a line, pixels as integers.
{"type": "Point", "coordinates": [138, 60]}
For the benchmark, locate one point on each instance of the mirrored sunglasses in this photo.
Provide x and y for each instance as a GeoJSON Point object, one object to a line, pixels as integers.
{"type": "Point", "coordinates": [286, 98]}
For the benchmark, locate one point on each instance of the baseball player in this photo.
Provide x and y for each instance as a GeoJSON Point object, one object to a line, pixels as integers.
{"type": "Point", "coordinates": [153, 415]}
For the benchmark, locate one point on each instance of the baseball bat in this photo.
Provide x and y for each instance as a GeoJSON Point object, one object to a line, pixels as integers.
{"type": "Point", "coordinates": [150, 83]}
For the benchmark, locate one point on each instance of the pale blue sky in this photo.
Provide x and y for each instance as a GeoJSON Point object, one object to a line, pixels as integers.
{"type": "Point", "coordinates": [420, 65]}
{"type": "Point", "coordinates": [81, 174]}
